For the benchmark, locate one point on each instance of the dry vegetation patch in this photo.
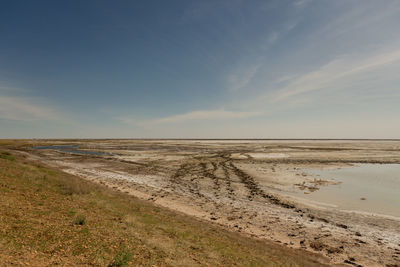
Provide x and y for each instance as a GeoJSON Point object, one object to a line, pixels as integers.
{"type": "Point", "coordinates": [48, 217]}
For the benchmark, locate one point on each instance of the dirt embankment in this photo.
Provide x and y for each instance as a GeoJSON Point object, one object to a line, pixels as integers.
{"type": "Point", "coordinates": [50, 218]}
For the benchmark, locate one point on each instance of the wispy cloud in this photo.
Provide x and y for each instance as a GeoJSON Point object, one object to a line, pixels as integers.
{"type": "Point", "coordinates": [6, 88]}
{"type": "Point", "coordinates": [206, 115]}
{"type": "Point", "coordinates": [217, 114]}
{"type": "Point", "coordinates": [127, 120]}
{"type": "Point", "coordinates": [25, 109]}
{"type": "Point", "coordinates": [241, 79]}
{"type": "Point", "coordinates": [335, 71]}
{"type": "Point", "coordinates": [272, 37]}
{"type": "Point", "coordinates": [301, 3]}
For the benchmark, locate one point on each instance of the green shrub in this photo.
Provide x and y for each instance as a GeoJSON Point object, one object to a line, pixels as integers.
{"type": "Point", "coordinates": [121, 259]}
{"type": "Point", "coordinates": [7, 156]}
{"type": "Point", "coordinates": [80, 219]}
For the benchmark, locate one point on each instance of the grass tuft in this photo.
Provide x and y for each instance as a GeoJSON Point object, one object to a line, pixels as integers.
{"type": "Point", "coordinates": [122, 259]}
{"type": "Point", "coordinates": [80, 219]}
{"type": "Point", "coordinates": [6, 156]}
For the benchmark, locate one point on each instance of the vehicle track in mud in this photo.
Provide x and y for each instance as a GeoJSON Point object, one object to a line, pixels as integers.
{"type": "Point", "coordinates": [194, 175]}
{"type": "Point", "coordinates": [228, 182]}
{"type": "Point", "coordinates": [185, 178]}
{"type": "Point", "coordinates": [221, 171]}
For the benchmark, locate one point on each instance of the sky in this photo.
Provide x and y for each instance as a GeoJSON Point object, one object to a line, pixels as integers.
{"type": "Point", "coordinates": [200, 69]}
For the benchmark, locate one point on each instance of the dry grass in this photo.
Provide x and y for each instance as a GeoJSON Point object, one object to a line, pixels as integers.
{"type": "Point", "coordinates": [48, 217]}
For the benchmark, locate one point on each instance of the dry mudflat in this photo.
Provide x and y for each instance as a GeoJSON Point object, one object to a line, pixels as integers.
{"type": "Point", "coordinates": [242, 185]}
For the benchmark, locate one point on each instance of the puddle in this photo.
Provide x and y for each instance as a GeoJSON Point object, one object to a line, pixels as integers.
{"type": "Point", "coordinates": [74, 149]}
{"type": "Point", "coordinates": [372, 188]}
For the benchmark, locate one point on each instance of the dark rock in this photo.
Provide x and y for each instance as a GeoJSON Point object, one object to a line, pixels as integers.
{"type": "Point", "coordinates": [332, 250]}
{"type": "Point", "coordinates": [317, 245]}
{"type": "Point", "coordinates": [342, 225]}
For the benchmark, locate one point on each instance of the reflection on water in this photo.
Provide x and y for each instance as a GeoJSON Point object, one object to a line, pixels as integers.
{"type": "Point", "coordinates": [371, 188]}
{"type": "Point", "coordinates": [74, 149]}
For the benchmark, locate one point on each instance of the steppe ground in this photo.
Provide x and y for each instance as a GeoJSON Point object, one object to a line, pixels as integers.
{"type": "Point", "coordinates": [50, 218]}
{"type": "Point", "coordinates": [236, 185]}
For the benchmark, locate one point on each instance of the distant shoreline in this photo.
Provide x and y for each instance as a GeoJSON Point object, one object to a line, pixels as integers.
{"type": "Point", "coordinates": [214, 139]}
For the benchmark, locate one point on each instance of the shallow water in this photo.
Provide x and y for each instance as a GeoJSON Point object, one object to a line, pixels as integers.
{"type": "Point", "coordinates": [373, 188]}
{"type": "Point", "coordinates": [74, 150]}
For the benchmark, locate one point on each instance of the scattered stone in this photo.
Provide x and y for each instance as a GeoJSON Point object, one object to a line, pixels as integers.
{"type": "Point", "coordinates": [351, 261]}
{"type": "Point", "coordinates": [317, 245]}
{"type": "Point", "coordinates": [342, 225]}
{"type": "Point", "coordinates": [323, 220]}
{"type": "Point", "coordinates": [332, 250]}
{"type": "Point", "coordinates": [361, 241]}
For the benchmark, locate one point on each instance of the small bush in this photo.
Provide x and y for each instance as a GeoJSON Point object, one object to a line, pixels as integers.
{"type": "Point", "coordinates": [70, 185]}
{"type": "Point", "coordinates": [7, 156]}
{"type": "Point", "coordinates": [80, 220]}
{"type": "Point", "coordinates": [121, 259]}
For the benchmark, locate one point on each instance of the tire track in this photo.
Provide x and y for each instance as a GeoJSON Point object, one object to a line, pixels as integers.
{"type": "Point", "coordinates": [207, 167]}
{"type": "Point", "coordinates": [228, 182]}
{"type": "Point", "coordinates": [255, 190]}
{"type": "Point", "coordinates": [187, 170]}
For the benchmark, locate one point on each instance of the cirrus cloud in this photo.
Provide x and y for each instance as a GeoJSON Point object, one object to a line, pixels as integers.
{"type": "Point", "coordinates": [217, 114]}
{"type": "Point", "coordinates": [25, 109]}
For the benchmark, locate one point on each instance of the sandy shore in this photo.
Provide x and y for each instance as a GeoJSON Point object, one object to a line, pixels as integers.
{"type": "Point", "coordinates": [237, 184]}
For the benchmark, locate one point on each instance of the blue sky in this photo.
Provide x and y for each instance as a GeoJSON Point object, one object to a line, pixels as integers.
{"type": "Point", "coordinates": [200, 69]}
